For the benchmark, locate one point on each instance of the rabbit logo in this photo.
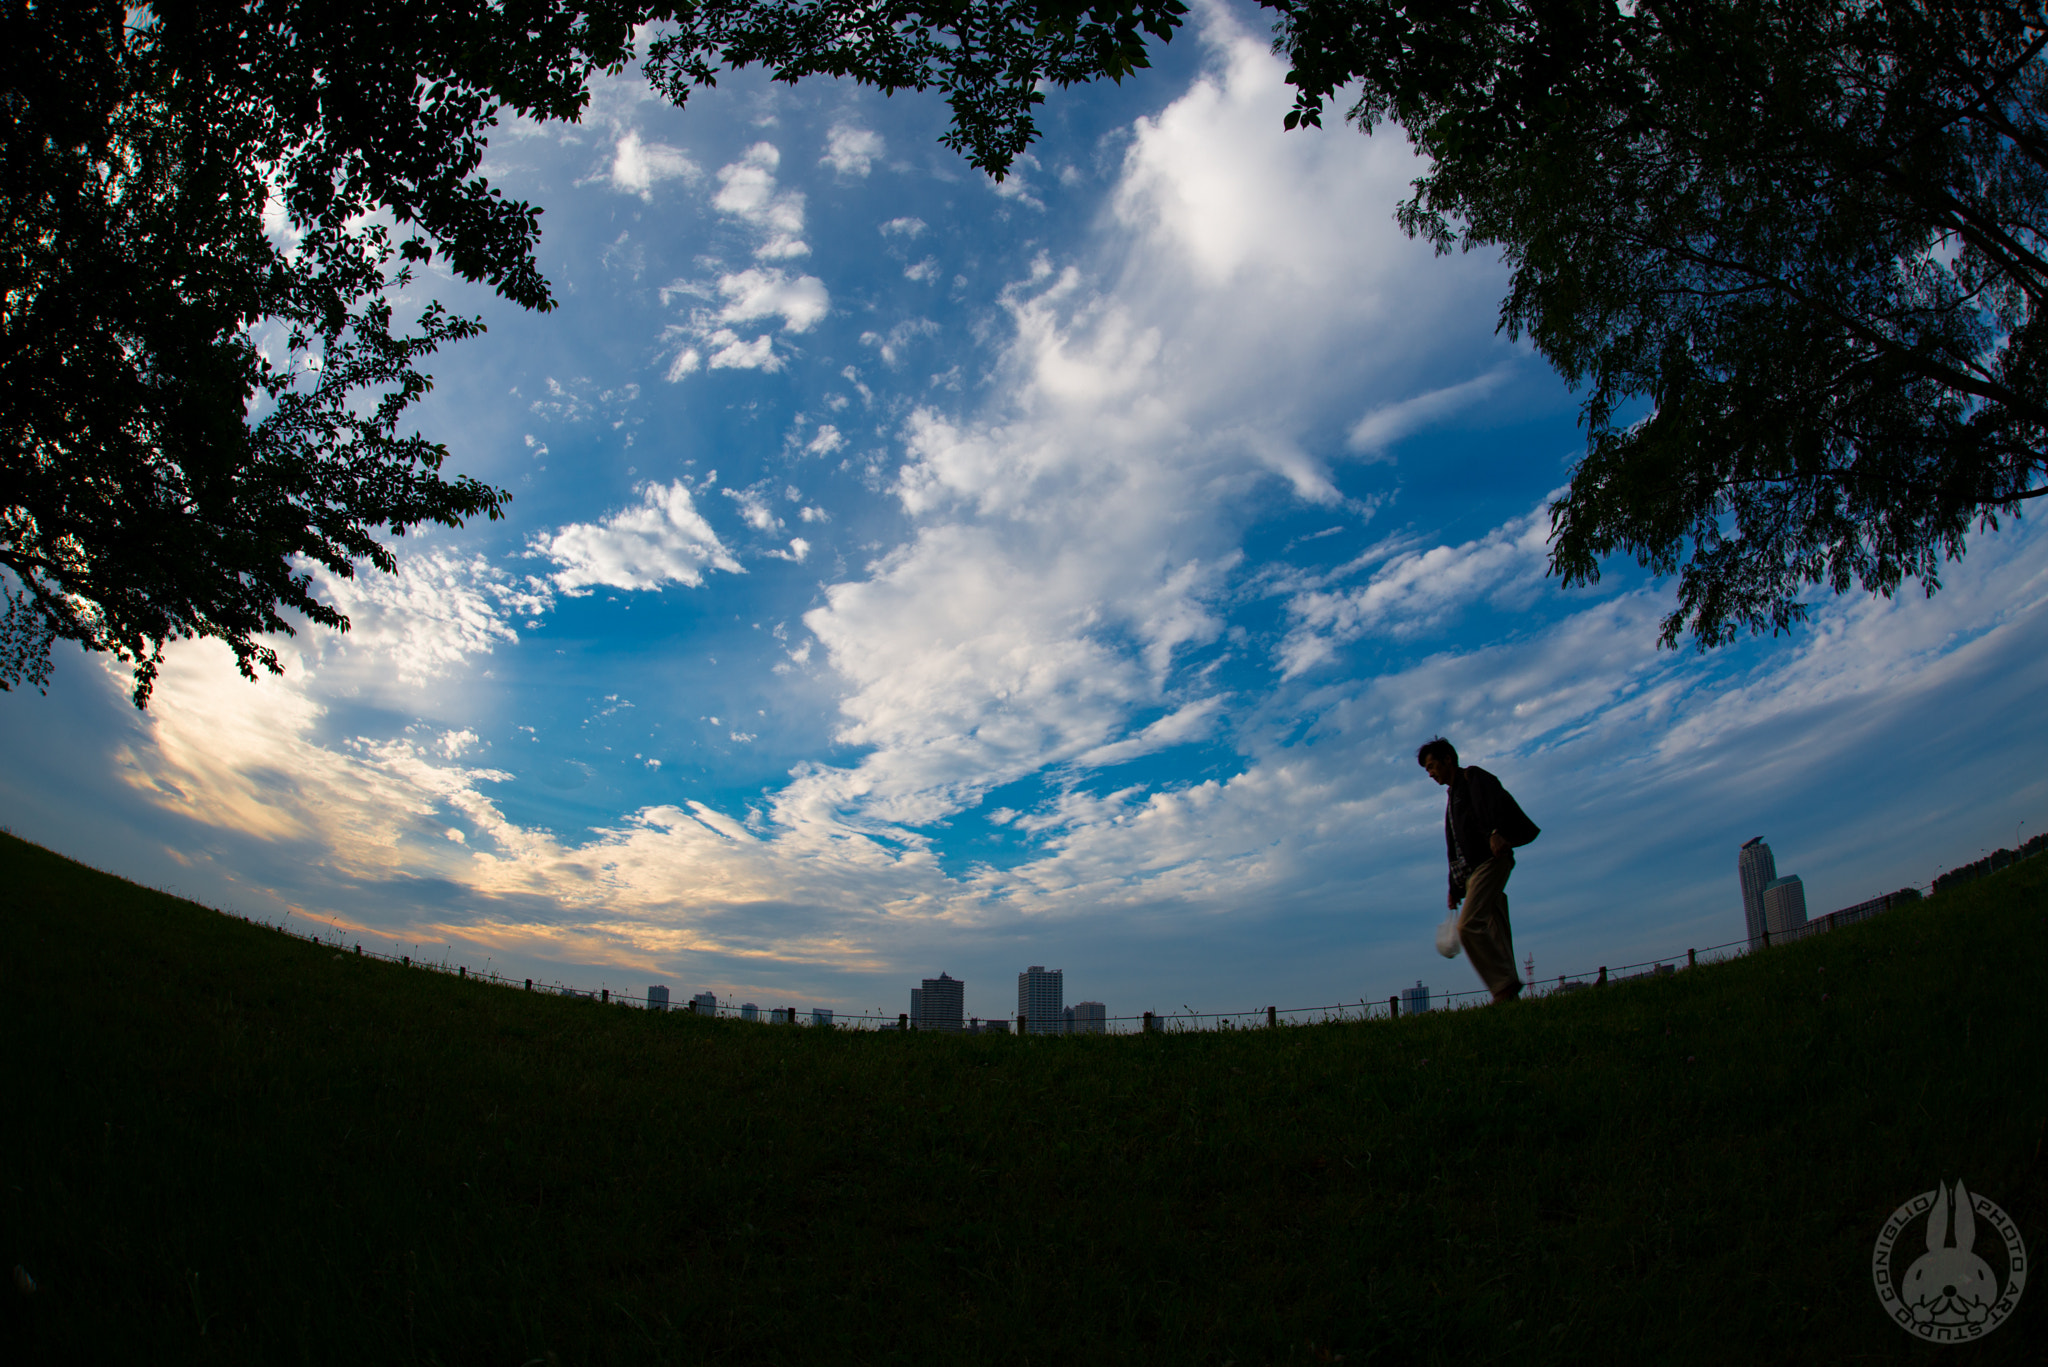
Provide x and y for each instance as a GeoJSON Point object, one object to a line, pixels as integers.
{"type": "Point", "coordinates": [1951, 1293]}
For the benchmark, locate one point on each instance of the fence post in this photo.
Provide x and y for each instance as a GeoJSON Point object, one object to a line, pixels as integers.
{"type": "Point", "coordinates": [1272, 1016]}
{"type": "Point", "coordinates": [462, 970]}
{"type": "Point", "coordinates": [1148, 1022]}
{"type": "Point", "coordinates": [1393, 1008]}
{"type": "Point", "coordinates": [1692, 958]}
{"type": "Point", "coordinates": [1603, 975]}
{"type": "Point", "coordinates": [405, 959]}
{"type": "Point", "coordinates": [604, 994]}
{"type": "Point", "coordinates": [359, 951]}
{"type": "Point", "coordinates": [903, 1020]}
{"type": "Point", "coordinates": [529, 984]}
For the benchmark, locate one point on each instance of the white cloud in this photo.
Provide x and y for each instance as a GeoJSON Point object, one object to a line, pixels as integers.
{"type": "Point", "coordinates": [1013, 185]}
{"type": "Point", "coordinates": [748, 192]}
{"type": "Point", "coordinates": [638, 166]}
{"type": "Point", "coordinates": [892, 343]}
{"type": "Point", "coordinates": [1193, 722]}
{"type": "Point", "coordinates": [825, 441]}
{"type": "Point", "coordinates": [731, 353]}
{"type": "Point", "coordinates": [800, 301]}
{"type": "Point", "coordinates": [851, 151]}
{"type": "Point", "coordinates": [686, 360]}
{"type": "Point", "coordinates": [903, 227]}
{"type": "Point", "coordinates": [708, 340]}
{"type": "Point", "coordinates": [754, 509]}
{"type": "Point", "coordinates": [426, 619]}
{"type": "Point", "coordinates": [581, 400]}
{"type": "Point", "coordinates": [661, 540]}
{"type": "Point", "coordinates": [1417, 589]}
{"type": "Point", "coordinates": [1390, 422]}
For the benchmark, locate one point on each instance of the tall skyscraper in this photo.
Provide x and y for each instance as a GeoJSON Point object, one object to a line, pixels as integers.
{"type": "Point", "coordinates": [916, 1008]}
{"type": "Point", "coordinates": [821, 1015]}
{"type": "Point", "coordinates": [749, 1011]}
{"type": "Point", "coordinates": [942, 1004]}
{"type": "Point", "coordinates": [1756, 868]}
{"type": "Point", "coordinates": [1040, 1000]}
{"type": "Point", "coordinates": [1087, 1018]}
{"type": "Point", "coordinates": [706, 1003]}
{"type": "Point", "coordinates": [657, 999]}
{"type": "Point", "coordinates": [1414, 998]}
{"type": "Point", "coordinates": [1784, 904]}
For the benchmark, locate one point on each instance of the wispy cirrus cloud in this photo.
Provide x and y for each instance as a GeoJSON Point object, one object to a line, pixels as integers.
{"type": "Point", "coordinates": [1388, 423]}
{"type": "Point", "coordinates": [1416, 589]}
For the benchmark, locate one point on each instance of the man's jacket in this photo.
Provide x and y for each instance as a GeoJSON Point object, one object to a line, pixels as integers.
{"type": "Point", "coordinates": [1474, 809]}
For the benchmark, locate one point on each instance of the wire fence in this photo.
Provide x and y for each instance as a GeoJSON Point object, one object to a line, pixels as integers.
{"type": "Point", "coordinates": [1186, 1019]}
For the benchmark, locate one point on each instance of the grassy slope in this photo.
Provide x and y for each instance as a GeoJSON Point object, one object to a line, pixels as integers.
{"type": "Point", "coordinates": [323, 1159]}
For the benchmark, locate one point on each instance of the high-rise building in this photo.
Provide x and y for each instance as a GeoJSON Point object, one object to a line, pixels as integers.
{"type": "Point", "coordinates": [1756, 868]}
{"type": "Point", "coordinates": [749, 1011]}
{"type": "Point", "coordinates": [916, 1008]}
{"type": "Point", "coordinates": [1040, 997]}
{"type": "Point", "coordinates": [1087, 1018]}
{"type": "Point", "coordinates": [706, 1003]}
{"type": "Point", "coordinates": [1414, 998]}
{"type": "Point", "coordinates": [942, 1004]}
{"type": "Point", "coordinates": [1784, 904]}
{"type": "Point", "coordinates": [821, 1015]}
{"type": "Point", "coordinates": [657, 999]}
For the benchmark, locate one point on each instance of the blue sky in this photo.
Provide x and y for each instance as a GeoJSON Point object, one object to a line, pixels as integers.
{"type": "Point", "coordinates": [907, 573]}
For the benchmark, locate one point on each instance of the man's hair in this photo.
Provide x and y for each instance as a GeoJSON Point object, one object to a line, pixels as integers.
{"type": "Point", "coordinates": [1439, 747]}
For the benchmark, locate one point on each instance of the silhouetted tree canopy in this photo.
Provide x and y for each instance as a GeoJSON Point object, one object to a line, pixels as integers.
{"type": "Point", "coordinates": [196, 410]}
{"type": "Point", "coordinates": [1806, 238]}
{"type": "Point", "coordinates": [193, 412]}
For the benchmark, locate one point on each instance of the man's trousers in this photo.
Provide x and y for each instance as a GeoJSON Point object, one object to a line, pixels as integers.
{"type": "Point", "coordinates": [1483, 926]}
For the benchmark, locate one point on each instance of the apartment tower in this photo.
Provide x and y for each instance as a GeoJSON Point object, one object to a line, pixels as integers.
{"type": "Point", "coordinates": [942, 1004]}
{"type": "Point", "coordinates": [1757, 868]}
{"type": "Point", "coordinates": [1041, 1000]}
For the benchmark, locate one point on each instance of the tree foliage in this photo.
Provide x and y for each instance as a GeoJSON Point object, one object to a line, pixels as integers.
{"type": "Point", "coordinates": [1807, 238]}
{"type": "Point", "coordinates": [991, 58]}
{"type": "Point", "coordinates": [194, 410]}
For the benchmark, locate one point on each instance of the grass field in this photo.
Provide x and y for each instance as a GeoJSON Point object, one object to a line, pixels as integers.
{"type": "Point", "coordinates": [222, 1144]}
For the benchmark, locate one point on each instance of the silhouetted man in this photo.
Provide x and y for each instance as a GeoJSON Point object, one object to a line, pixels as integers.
{"type": "Point", "coordinates": [1482, 826]}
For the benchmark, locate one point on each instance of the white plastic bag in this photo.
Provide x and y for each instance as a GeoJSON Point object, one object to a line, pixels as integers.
{"type": "Point", "coordinates": [1447, 937]}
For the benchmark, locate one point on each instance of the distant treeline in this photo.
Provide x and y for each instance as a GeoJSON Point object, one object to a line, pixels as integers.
{"type": "Point", "coordinates": [1990, 864]}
